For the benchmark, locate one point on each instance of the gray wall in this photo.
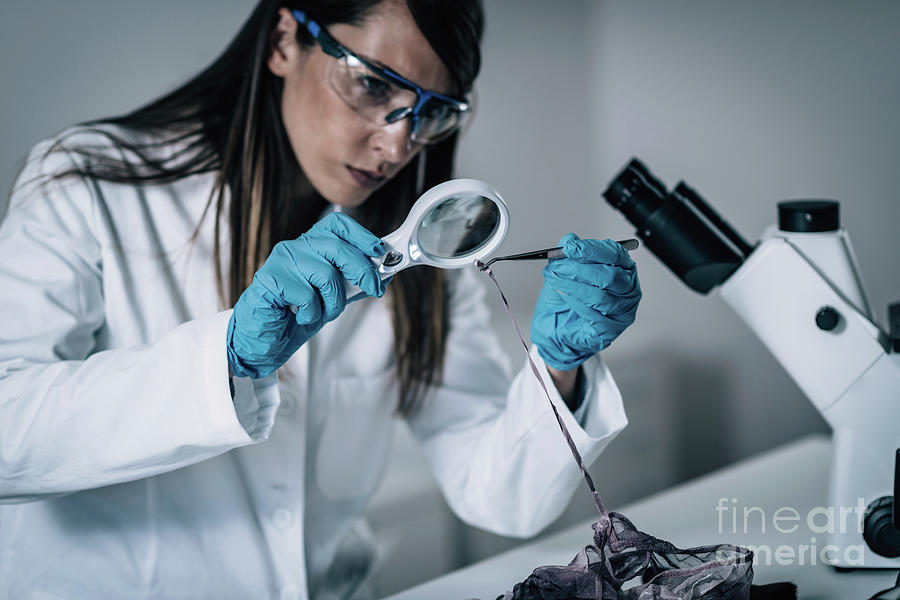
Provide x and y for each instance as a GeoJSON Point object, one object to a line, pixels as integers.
{"type": "Point", "coordinates": [67, 62]}
{"type": "Point", "coordinates": [751, 103]}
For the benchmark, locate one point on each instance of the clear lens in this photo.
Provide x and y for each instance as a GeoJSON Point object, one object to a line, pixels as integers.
{"type": "Point", "coordinates": [436, 121]}
{"type": "Point", "coordinates": [458, 226]}
{"type": "Point", "coordinates": [366, 91]}
{"type": "Point", "coordinates": [373, 97]}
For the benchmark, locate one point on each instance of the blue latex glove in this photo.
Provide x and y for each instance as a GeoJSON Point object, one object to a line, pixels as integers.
{"type": "Point", "coordinates": [308, 273]}
{"type": "Point", "coordinates": [588, 299]}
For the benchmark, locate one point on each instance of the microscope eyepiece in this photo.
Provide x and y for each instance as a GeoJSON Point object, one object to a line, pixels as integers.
{"type": "Point", "coordinates": [680, 228]}
{"type": "Point", "coordinates": [809, 216]}
{"type": "Point", "coordinates": [635, 192]}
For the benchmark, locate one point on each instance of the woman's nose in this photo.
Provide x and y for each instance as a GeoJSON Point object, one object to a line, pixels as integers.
{"type": "Point", "coordinates": [392, 141]}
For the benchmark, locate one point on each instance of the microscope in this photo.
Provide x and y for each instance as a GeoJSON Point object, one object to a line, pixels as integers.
{"type": "Point", "coordinates": [799, 290]}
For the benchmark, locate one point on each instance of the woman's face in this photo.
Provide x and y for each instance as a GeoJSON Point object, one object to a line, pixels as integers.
{"type": "Point", "coordinates": [344, 156]}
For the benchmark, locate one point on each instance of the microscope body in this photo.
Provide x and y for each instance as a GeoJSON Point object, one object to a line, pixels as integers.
{"type": "Point", "coordinates": [800, 292]}
{"type": "Point", "coordinates": [801, 295]}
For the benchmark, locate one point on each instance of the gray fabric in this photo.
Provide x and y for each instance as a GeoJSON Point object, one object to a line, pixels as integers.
{"type": "Point", "coordinates": [621, 553]}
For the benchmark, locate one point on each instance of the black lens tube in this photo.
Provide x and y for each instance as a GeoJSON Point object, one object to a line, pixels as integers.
{"type": "Point", "coordinates": [688, 195]}
{"type": "Point", "coordinates": [635, 192]}
{"type": "Point", "coordinates": [680, 228]}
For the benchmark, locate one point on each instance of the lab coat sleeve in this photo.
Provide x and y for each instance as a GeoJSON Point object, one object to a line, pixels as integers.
{"type": "Point", "coordinates": [493, 441]}
{"type": "Point", "coordinates": [73, 418]}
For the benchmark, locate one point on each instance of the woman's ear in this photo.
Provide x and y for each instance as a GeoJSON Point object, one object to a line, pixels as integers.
{"type": "Point", "coordinates": [284, 51]}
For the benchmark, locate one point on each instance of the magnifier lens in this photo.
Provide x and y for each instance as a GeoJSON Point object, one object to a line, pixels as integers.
{"type": "Point", "coordinates": [458, 226]}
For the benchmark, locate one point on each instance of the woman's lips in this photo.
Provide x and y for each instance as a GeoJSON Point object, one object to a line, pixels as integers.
{"type": "Point", "coordinates": [366, 179]}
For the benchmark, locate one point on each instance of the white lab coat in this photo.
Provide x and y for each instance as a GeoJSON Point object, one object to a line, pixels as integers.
{"type": "Point", "coordinates": [128, 471]}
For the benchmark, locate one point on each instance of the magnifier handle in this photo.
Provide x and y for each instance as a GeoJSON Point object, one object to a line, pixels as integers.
{"type": "Point", "coordinates": [352, 292]}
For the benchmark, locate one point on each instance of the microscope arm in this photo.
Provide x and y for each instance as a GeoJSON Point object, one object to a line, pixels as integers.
{"type": "Point", "coordinates": [841, 361]}
{"type": "Point", "coordinates": [800, 292]}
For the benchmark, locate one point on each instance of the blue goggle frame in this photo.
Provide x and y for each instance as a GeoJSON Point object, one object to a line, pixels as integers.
{"type": "Point", "coordinates": [334, 48]}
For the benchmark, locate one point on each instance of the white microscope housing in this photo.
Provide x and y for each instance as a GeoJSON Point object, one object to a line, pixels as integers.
{"type": "Point", "coordinates": [801, 294]}
{"type": "Point", "coordinates": [799, 290]}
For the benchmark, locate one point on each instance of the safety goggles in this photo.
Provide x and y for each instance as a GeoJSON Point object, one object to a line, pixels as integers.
{"type": "Point", "coordinates": [382, 96]}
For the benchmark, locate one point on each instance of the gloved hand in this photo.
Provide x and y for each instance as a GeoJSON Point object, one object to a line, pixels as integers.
{"type": "Point", "coordinates": [307, 272]}
{"type": "Point", "coordinates": [588, 299]}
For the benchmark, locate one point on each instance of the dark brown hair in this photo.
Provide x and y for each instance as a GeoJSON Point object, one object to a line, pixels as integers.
{"type": "Point", "coordinates": [227, 120]}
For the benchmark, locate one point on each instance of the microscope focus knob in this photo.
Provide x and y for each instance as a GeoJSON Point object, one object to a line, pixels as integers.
{"type": "Point", "coordinates": [827, 318]}
{"type": "Point", "coordinates": [879, 531]}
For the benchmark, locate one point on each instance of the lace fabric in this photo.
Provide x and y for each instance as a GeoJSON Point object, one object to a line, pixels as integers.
{"type": "Point", "coordinates": [621, 554]}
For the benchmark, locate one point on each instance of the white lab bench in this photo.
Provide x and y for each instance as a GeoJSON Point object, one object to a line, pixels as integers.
{"type": "Point", "coordinates": [794, 476]}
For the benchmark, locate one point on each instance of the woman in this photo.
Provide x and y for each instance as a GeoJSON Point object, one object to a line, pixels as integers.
{"type": "Point", "coordinates": [154, 445]}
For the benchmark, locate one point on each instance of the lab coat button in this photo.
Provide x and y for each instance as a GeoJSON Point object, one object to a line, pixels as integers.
{"type": "Point", "coordinates": [287, 404]}
{"type": "Point", "coordinates": [289, 592]}
{"type": "Point", "coordinates": [282, 518]}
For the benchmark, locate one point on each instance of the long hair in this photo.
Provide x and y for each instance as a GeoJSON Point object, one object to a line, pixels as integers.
{"type": "Point", "coordinates": [227, 120]}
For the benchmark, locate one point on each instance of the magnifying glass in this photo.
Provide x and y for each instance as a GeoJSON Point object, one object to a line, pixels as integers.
{"type": "Point", "coordinates": [450, 226]}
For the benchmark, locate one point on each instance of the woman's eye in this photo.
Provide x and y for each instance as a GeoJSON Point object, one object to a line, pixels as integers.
{"type": "Point", "coordinates": [435, 111]}
{"type": "Point", "coordinates": [373, 86]}
{"type": "Point", "coordinates": [438, 112]}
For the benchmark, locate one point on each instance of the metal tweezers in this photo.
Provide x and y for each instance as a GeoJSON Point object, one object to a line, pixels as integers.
{"type": "Point", "coordinates": [550, 253]}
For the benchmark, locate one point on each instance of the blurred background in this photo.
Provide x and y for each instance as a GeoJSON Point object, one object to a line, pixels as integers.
{"type": "Point", "coordinates": [749, 102]}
